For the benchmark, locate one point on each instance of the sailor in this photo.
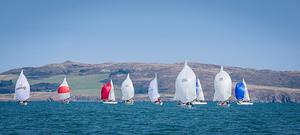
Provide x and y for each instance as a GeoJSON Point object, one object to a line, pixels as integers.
{"type": "Point", "coordinates": [158, 100]}
{"type": "Point", "coordinates": [20, 102]}
{"type": "Point", "coordinates": [189, 103]}
{"type": "Point", "coordinates": [25, 102]}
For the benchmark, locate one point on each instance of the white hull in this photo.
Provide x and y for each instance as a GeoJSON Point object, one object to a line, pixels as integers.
{"type": "Point", "coordinates": [199, 103]}
{"type": "Point", "coordinates": [64, 96]}
{"type": "Point", "coordinates": [110, 102]}
{"type": "Point", "coordinates": [23, 103]}
{"type": "Point", "coordinates": [186, 105]}
{"type": "Point", "coordinates": [65, 102]}
{"type": "Point", "coordinates": [129, 103]}
{"type": "Point", "coordinates": [244, 103]}
{"type": "Point", "coordinates": [159, 103]}
{"type": "Point", "coordinates": [228, 105]}
{"type": "Point", "coordinates": [224, 105]}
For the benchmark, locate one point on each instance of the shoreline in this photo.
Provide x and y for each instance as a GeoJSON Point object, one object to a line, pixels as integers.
{"type": "Point", "coordinates": [52, 97]}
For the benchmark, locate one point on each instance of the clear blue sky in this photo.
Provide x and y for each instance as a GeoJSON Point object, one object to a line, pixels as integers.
{"type": "Point", "coordinates": [263, 34]}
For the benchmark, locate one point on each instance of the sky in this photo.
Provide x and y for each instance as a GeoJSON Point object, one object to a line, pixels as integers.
{"type": "Point", "coordinates": [262, 34]}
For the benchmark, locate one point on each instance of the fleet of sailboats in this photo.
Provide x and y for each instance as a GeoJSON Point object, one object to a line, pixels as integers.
{"type": "Point", "coordinates": [188, 90]}
{"type": "Point", "coordinates": [127, 91]}
{"type": "Point", "coordinates": [22, 89]}
{"type": "Point", "coordinates": [153, 91]}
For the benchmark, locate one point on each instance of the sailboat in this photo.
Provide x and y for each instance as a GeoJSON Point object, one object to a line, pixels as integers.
{"type": "Point", "coordinates": [185, 86]}
{"type": "Point", "coordinates": [127, 91]}
{"type": "Point", "coordinates": [64, 92]}
{"type": "Point", "coordinates": [242, 94]}
{"type": "Point", "coordinates": [199, 92]}
{"type": "Point", "coordinates": [22, 90]}
{"type": "Point", "coordinates": [108, 93]}
{"type": "Point", "coordinates": [222, 85]}
{"type": "Point", "coordinates": [153, 92]}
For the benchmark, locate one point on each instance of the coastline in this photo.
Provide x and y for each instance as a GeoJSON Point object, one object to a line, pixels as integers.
{"type": "Point", "coordinates": [52, 96]}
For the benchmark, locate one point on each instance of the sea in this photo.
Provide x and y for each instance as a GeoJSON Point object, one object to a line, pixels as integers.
{"type": "Point", "coordinates": [147, 118]}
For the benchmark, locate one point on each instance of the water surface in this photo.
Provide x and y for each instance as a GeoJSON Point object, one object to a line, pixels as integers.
{"type": "Point", "coordinates": [147, 118]}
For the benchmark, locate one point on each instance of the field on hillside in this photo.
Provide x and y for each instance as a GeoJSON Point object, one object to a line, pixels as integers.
{"type": "Point", "coordinates": [83, 85]}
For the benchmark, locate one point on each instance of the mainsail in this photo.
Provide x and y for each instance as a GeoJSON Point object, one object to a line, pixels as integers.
{"type": "Point", "coordinates": [153, 90]}
{"type": "Point", "coordinates": [111, 96]}
{"type": "Point", "coordinates": [199, 91]}
{"type": "Point", "coordinates": [185, 85]}
{"type": "Point", "coordinates": [246, 97]}
{"type": "Point", "coordinates": [127, 89]}
{"type": "Point", "coordinates": [64, 90]}
{"type": "Point", "coordinates": [22, 89]}
{"type": "Point", "coordinates": [222, 85]}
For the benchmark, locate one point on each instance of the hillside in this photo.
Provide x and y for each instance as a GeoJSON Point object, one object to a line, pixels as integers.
{"type": "Point", "coordinates": [264, 85]}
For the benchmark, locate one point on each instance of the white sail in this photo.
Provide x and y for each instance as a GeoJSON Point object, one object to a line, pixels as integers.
{"type": "Point", "coordinates": [200, 95]}
{"type": "Point", "coordinates": [246, 95]}
{"type": "Point", "coordinates": [222, 86]}
{"type": "Point", "coordinates": [111, 96]}
{"type": "Point", "coordinates": [185, 85]}
{"type": "Point", "coordinates": [127, 89]}
{"type": "Point", "coordinates": [153, 90]}
{"type": "Point", "coordinates": [64, 90]}
{"type": "Point", "coordinates": [22, 89]}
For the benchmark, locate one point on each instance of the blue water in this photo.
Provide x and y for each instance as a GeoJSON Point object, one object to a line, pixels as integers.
{"type": "Point", "coordinates": [147, 118]}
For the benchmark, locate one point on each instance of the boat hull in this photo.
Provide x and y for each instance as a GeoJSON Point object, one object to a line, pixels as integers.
{"type": "Point", "coordinates": [67, 101]}
{"type": "Point", "coordinates": [186, 105]}
{"type": "Point", "coordinates": [244, 103]}
{"type": "Point", "coordinates": [110, 102]}
{"type": "Point", "coordinates": [228, 105]}
{"type": "Point", "coordinates": [224, 104]}
{"type": "Point", "coordinates": [159, 103]}
{"type": "Point", "coordinates": [24, 103]}
{"type": "Point", "coordinates": [199, 103]}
